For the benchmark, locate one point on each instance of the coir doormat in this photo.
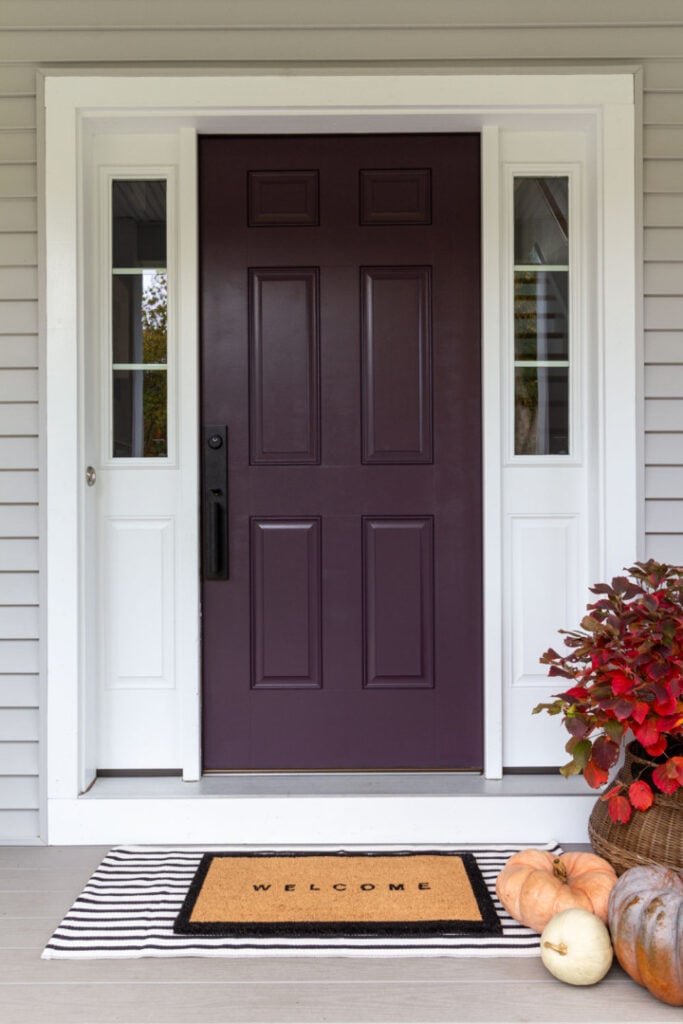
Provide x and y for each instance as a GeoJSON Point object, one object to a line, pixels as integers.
{"type": "Point", "coordinates": [129, 907]}
{"type": "Point", "coordinates": [338, 894]}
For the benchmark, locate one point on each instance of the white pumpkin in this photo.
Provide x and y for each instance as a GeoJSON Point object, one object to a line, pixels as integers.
{"type": "Point", "coordinates": [576, 947]}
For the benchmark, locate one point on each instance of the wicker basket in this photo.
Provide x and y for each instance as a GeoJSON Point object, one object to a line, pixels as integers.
{"type": "Point", "coordinates": [654, 836]}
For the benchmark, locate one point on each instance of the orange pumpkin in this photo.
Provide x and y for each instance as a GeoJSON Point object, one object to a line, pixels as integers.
{"type": "Point", "coordinates": [535, 885]}
{"type": "Point", "coordinates": [646, 922]}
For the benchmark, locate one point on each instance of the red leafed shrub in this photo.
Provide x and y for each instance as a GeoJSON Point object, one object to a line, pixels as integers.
{"type": "Point", "coordinates": [626, 668]}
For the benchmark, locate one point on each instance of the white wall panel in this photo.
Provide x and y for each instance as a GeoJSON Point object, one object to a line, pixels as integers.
{"type": "Point", "coordinates": [663, 108]}
{"type": "Point", "coordinates": [664, 313]}
{"type": "Point", "coordinates": [138, 576]}
{"type": "Point", "coordinates": [544, 579]}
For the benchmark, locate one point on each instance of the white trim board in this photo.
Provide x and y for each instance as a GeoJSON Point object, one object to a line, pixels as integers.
{"type": "Point", "coordinates": [78, 104]}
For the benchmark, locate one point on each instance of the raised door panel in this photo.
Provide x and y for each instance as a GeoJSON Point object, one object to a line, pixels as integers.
{"type": "Point", "coordinates": [284, 347]}
{"type": "Point", "coordinates": [398, 591]}
{"type": "Point", "coordinates": [397, 364]}
{"type": "Point", "coordinates": [286, 613]}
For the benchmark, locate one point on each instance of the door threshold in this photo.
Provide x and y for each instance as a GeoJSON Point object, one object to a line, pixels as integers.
{"type": "Point", "coordinates": [338, 784]}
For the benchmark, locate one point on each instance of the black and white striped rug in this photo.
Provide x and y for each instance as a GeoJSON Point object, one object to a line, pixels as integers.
{"type": "Point", "coordinates": [129, 905]}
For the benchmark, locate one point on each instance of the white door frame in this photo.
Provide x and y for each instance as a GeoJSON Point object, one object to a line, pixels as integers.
{"type": "Point", "coordinates": [76, 104]}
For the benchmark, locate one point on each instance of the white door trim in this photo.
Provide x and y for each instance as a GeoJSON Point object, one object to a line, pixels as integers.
{"type": "Point", "coordinates": [77, 104]}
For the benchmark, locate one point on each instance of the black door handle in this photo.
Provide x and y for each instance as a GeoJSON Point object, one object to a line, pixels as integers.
{"type": "Point", "coordinates": [216, 504]}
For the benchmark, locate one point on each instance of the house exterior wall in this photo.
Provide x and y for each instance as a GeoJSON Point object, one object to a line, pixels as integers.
{"type": "Point", "coordinates": [41, 34]}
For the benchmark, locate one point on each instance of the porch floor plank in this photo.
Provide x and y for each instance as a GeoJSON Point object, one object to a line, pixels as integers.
{"type": "Point", "coordinates": [38, 884]}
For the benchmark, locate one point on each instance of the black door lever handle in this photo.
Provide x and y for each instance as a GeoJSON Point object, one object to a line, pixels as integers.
{"type": "Point", "coordinates": [216, 543]}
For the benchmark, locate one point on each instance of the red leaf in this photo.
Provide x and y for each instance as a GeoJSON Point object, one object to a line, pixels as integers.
{"type": "Point", "coordinates": [622, 709]}
{"type": "Point", "coordinates": [665, 707]}
{"type": "Point", "coordinates": [617, 788]}
{"type": "Point", "coordinates": [594, 775]}
{"type": "Point", "coordinates": [640, 711]}
{"type": "Point", "coordinates": [663, 780]}
{"type": "Point", "coordinates": [640, 795]}
{"type": "Point", "coordinates": [655, 749]}
{"type": "Point", "coordinates": [619, 809]}
{"type": "Point", "coordinates": [621, 684]}
{"type": "Point", "coordinates": [605, 752]}
{"type": "Point", "coordinates": [647, 733]}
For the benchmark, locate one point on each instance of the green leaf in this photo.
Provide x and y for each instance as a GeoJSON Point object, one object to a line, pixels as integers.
{"type": "Point", "coordinates": [571, 768]}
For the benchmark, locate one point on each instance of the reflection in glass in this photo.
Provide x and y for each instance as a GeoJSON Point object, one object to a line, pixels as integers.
{"type": "Point", "coordinates": [541, 410]}
{"type": "Point", "coordinates": [541, 315]}
{"type": "Point", "coordinates": [140, 418]}
{"type": "Point", "coordinates": [138, 223]}
{"type": "Point", "coordinates": [139, 319]}
{"type": "Point", "coordinates": [541, 220]}
{"type": "Point", "coordinates": [139, 311]}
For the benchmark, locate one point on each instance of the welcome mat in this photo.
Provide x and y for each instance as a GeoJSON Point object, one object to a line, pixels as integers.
{"type": "Point", "coordinates": [131, 903]}
{"type": "Point", "coordinates": [338, 894]}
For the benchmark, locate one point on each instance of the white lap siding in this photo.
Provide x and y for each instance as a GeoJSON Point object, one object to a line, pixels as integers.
{"type": "Point", "coordinates": [438, 33]}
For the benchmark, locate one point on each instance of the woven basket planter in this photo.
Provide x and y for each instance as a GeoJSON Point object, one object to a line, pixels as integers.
{"type": "Point", "coordinates": [654, 836]}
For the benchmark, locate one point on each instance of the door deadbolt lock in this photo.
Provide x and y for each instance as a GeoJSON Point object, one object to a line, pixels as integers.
{"type": "Point", "coordinates": [90, 476]}
{"type": "Point", "coordinates": [215, 441]}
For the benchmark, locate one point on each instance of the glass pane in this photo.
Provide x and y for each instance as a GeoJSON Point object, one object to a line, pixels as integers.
{"type": "Point", "coordinates": [541, 212]}
{"type": "Point", "coordinates": [139, 223]}
{"type": "Point", "coordinates": [541, 315]}
{"type": "Point", "coordinates": [139, 312]}
{"type": "Point", "coordinates": [541, 410]}
{"type": "Point", "coordinates": [140, 420]}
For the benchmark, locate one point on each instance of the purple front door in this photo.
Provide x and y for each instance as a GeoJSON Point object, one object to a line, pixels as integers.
{"type": "Point", "coordinates": [342, 595]}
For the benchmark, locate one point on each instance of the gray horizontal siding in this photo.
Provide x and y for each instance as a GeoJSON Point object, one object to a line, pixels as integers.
{"type": "Point", "coordinates": [663, 310]}
{"type": "Point", "coordinates": [34, 32]}
{"type": "Point", "coordinates": [19, 590]}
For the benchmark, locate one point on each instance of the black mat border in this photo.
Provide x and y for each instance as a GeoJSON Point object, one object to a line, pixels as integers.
{"type": "Point", "coordinates": [489, 925]}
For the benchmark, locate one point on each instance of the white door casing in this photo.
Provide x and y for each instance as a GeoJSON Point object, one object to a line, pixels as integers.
{"type": "Point", "coordinates": [597, 108]}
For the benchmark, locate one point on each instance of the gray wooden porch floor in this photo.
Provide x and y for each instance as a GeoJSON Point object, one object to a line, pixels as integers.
{"type": "Point", "coordinates": [38, 884]}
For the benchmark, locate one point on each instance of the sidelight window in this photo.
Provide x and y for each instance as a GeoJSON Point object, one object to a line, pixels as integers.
{"type": "Point", "coordinates": [541, 316]}
{"type": "Point", "coordinates": [139, 319]}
